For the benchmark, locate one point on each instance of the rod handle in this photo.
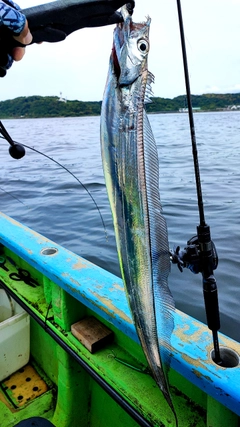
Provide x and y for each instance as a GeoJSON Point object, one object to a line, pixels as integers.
{"type": "Point", "coordinates": [210, 294]}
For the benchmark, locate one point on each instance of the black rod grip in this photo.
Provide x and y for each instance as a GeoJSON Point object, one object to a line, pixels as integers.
{"type": "Point", "coordinates": [210, 294]}
{"type": "Point", "coordinates": [54, 21]}
{"type": "Point", "coordinates": [209, 282]}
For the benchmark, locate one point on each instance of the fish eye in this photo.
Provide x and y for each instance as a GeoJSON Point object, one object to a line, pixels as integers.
{"type": "Point", "coordinates": [143, 46]}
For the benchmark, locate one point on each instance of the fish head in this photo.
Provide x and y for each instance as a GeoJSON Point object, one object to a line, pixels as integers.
{"type": "Point", "coordinates": [130, 49]}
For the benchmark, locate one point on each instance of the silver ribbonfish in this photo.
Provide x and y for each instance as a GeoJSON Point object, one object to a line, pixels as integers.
{"type": "Point", "coordinates": [131, 170]}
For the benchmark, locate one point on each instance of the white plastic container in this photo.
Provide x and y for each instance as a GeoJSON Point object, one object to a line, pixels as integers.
{"type": "Point", "coordinates": [14, 336]}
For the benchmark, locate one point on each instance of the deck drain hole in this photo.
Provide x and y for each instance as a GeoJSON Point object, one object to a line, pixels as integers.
{"type": "Point", "coordinates": [20, 397]}
{"type": "Point", "coordinates": [49, 251]}
{"type": "Point", "coordinates": [13, 387]}
{"type": "Point", "coordinates": [230, 358]}
{"type": "Point", "coordinates": [35, 388]}
{"type": "Point", "coordinates": [28, 379]}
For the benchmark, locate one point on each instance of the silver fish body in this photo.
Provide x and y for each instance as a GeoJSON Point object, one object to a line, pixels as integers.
{"type": "Point", "coordinates": [131, 170]}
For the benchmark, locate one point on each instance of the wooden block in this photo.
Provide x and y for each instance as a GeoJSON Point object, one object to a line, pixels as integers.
{"type": "Point", "coordinates": [92, 333]}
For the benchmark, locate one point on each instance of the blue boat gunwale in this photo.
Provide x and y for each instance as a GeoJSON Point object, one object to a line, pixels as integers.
{"type": "Point", "coordinates": [103, 292]}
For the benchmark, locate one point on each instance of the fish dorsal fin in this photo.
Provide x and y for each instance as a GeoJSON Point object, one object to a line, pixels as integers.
{"type": "Point", "coordinates": [148, 91]}
{"type": "Point", "coordinates": [163, 300]}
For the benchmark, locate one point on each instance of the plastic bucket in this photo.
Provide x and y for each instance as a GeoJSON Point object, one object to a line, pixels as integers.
{"type": "Point", "coordinates": [14, 336]}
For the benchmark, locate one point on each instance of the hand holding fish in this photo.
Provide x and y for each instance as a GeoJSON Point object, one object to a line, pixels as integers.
{"type": "Point", "coordinates": [51, 22]}
{"type": "Point", "coordinates": [16, 24]}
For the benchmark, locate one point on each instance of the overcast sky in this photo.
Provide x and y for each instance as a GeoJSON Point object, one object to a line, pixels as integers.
{"type": "Point", "coordinates": [78, 66]}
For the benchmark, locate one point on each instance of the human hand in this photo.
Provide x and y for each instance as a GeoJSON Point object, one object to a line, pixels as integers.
{"type": "Point", "coordinates": [12, 24]}
{"type": "Point", "coordinates": [51, 22]}
{"type": "Point", "coordinates": [54, 21]}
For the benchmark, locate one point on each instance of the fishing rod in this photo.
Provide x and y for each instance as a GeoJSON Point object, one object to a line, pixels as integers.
{"type": "Point", "coordinates": [203, 243]}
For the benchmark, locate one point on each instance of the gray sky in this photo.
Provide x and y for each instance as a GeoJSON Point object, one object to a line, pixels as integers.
{"type": "Point", "coordinates": [78, 66]}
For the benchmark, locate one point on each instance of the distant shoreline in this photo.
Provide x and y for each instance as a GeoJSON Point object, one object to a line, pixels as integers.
{"type": "Point", "coordinates": [98, 115]}
{"type": "Point", "coordinates": [53, 106]}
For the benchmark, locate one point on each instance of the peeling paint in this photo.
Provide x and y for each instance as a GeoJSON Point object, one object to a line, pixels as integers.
{"type": "Point", "coordinates": [117, 286]}
{"type": "Point", "coordinates": [191, 340]}
{"type": "Point", "coordinates": [79, 265]}
{"type": "Point", "coordinates": [191, 361]}
{"type": "Point", "coordinates": [108, 303]}
{"type": "Point", "coordinates": [202, 376]}
{"type": "Point", "coordinates": [180, 330]}
{"type": "Point", "coordinates": [197, 373]}
{"type": "Point", "coordinates": [75, 283]}
{"type": "Point", "coordinates": [29, 251]}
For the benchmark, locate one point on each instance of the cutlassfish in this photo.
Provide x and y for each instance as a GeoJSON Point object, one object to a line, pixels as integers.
{"type": "Point", "coordinates": [131, 169]}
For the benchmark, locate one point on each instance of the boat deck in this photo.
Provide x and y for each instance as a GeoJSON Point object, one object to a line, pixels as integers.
{"type": "Point", "coordinates": [69, 289]}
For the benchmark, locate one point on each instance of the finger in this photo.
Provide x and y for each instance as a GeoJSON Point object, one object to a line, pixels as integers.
{"type": "Point", "coordinates": [18, 53]}
{"type": "Point", "coordinates": [25, 37]}
{"type": "Point", "coordinates": [5, 58]}
{"type": "Point", "coordinates": [2, 72]}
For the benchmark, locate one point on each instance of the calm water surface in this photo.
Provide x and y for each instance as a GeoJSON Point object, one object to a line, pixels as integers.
{"type": "Point", "coordinates": [43, 196]}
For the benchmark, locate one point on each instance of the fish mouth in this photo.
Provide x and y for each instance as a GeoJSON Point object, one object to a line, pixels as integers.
{"type": "Point", "coordinates": [119, 41]}
{"type": "Point", "coordinates": [121, 35]}
{"type": "Point", "coordinates": [116, 65]}
{"type": "Point", "coordinates": [122, 73]}
{"type": "Point", "coordinates": [129, 60]}
{"type": "Point", "coordinates": [118, 71]}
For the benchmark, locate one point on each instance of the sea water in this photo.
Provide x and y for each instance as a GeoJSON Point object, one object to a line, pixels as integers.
{"type": "Point", "coordinates": [39, 193]}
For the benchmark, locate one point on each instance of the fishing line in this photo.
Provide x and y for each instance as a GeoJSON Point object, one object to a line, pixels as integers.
{"type": "Point", "coordinates": [203, 230]}
{"type": "Point", "coordinates": [71, 173]}
{"type": "Point", "coordinates": [135, 368]}
{"type": "Point", "coordinates": [11, 195]}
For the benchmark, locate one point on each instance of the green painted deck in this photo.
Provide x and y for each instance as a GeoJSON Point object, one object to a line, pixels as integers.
{"type": "Point", "coordinates": [69, 289]}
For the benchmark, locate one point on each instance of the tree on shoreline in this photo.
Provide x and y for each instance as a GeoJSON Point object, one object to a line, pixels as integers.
{"type": "Point", "coordinates": [49, 106]}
